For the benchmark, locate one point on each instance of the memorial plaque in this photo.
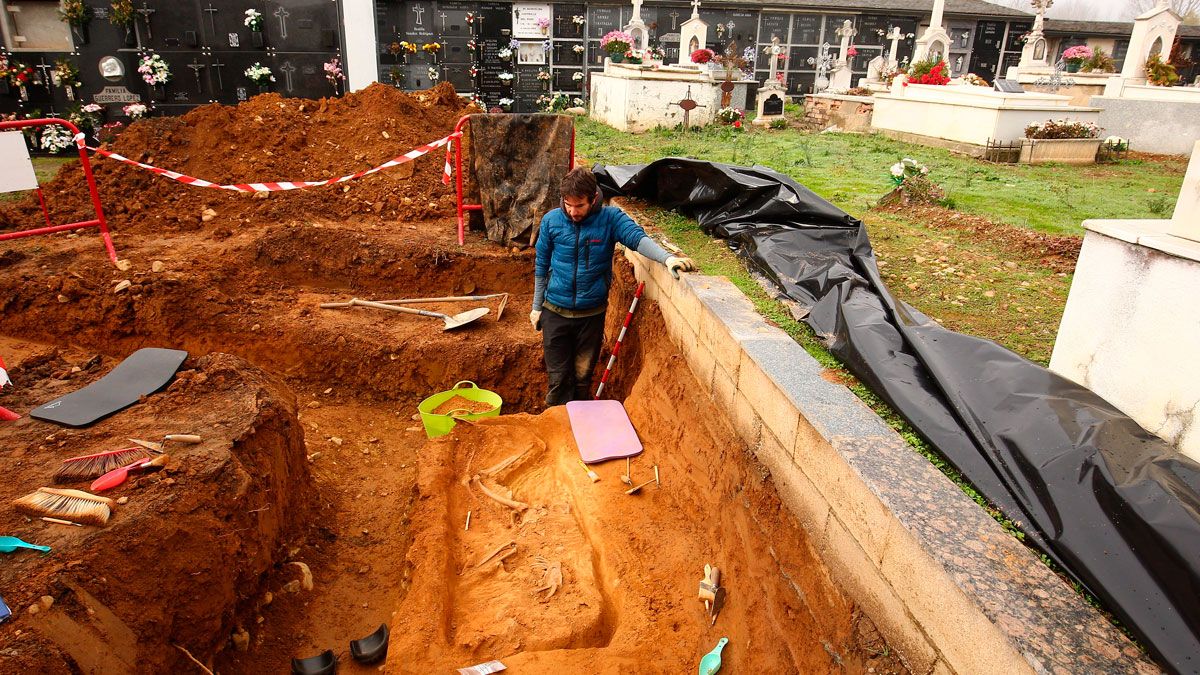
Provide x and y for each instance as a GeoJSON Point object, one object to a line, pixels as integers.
{"type": "Point", "coordinates": [806, 29]}
{"type": "Point", "coordinates": [525, 20]}
{"type": "Point", "coordinates": [774, 25]}
{"type": "Point", "coordinates": [564, 26]}
{"type": "Point", "coordinates": [493, 18]}
{"type": "Point", "coordinates": [565, 54]}
{"type": "Point", "coordinates": [1015, 31]}
{"type": "Point", "coordinates": [601, 20]}
{"type": "Point", "coordinates": [452, 21]}
{"type": "Point", "coordinates": [1008, 86]}
{"type": "Point", "coordinates": [834, 22]}
{"type": "Point", "coordinates": [773, 105]}
{"type": "Point", "coordinates": [564, 79]}
{"type": "Point", "coordinates": [872, 29]}
{"type": "Point", "coordinates": [985, 57]}
{"type": "Point", "coordinates": [168, 25]}
{"type": "Point", "coordinates": [418, 21]}
{"type": "Point", "coordinates": [797, 58]}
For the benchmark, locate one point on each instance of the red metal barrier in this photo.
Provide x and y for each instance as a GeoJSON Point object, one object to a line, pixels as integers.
{"type": "Point", "coordinates": [98, 221]}
{"type": "Point", "coordinates": [458, 174]}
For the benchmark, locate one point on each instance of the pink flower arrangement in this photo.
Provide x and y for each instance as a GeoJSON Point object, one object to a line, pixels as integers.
{"type": "Point", "coordinates": [1078, 54]}
{"type": "Point", "coordinates": [851, 51]}
{"type": "Point", "coordinates": [616, 42]}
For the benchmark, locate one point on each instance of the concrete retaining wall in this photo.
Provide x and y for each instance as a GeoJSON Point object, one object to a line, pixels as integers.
{"type": "Point", "coordinates": [1165, 127]}
{"type": "Point", "coordinates": [951, 591]}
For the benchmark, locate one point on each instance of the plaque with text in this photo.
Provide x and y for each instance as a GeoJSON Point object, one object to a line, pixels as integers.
{"type": "Point", "coordinates": [526, 16]}
{"type": "Point", "coordinates": [601, 20]}
{"type": "Point", "coordinates": [806, 29]}
{"type": "Point", "coordinates": [775, 25]}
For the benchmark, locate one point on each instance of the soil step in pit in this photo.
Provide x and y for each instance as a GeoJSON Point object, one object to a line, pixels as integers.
{"type": "Point", "coordinates": [256, 294]}
{"type": "Point", "coordinates": [188, 548]}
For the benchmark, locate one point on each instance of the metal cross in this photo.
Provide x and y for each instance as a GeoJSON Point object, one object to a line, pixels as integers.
{"type": "Point", "coordinates": [688, 104]}
{"type": "Point", "coordinates": [442, 16]}
{"type": "Point", "coordinates": [823, 62]}
{"type": "Point", "coordinates": [696, 8]}
{"type": "Point", "coordinates": [418, 10]}
{"type": "Point", "coordinates": [283, 14]}
{"type": "Point", "coordinates": [729, 27]}
{"type": "Point", "coordinates": [1055, 81]}
{"type": "Point", "coordinates": [212, 24]}
{"type": "Point", "coordinates": [45, 68]}
{"type": "Point", "coordinates": [674, 18]}
{"type": "Point", "coordinates": [196, 67]}
{"type": "Point", "coordinates": [287, 69]}
{"type": "Point", "coordinates": [146, 11]}
{"type": "Point", "coordinates": [217, 67]}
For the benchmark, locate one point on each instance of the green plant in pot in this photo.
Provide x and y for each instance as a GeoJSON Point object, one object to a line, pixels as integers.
{"type": "Point", "coordinates": [1159, 72]}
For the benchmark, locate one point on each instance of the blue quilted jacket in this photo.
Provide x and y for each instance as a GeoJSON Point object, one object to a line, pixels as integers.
{"type": "Point", "coordinates": [578, 256]}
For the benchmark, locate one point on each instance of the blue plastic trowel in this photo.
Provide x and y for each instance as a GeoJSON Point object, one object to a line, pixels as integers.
{"type": "Point", "coordinates": [711, 662]}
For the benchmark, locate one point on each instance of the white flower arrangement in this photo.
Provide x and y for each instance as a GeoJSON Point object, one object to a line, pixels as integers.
{"type": "Point", "coordinates": [506, 77]}
{"type": "Point", "coordinates": [504, 102]}
{"type": "Point", "coordinates": [92, 108]}
{"type": "Point", "coordinates": [153, 69]}
{"type": "Point", "coordinates": [55, 139]}
{"type": "Point", "coordinates": [135, 111]}
{"type": "Point", "coordinates": [504, 54]}
{"type": "Point", "coordinates": [253, 20]}
{"type": "Point", "coordinates": [578, 49]}
{"type": "Point", "coordinates": [577, 19]}
{"type": "Point", "coordinates": [577, 101]}
{"type": "Point", "coordinates": [259, 74]}
{"type": "Point", "coordinates": [907, 168]}
{"type": "Point", "coordinates": [433, 73]}
{"type": "Point", "coordinates": [577, 76]}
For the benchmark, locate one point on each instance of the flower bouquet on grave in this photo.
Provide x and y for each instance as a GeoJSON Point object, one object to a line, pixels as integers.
{"type": "Point", "coordinates": [1075, 56]}
{"type": "Point", "coordinates": [543, 24]}
{"type": "Point", "coordinates": [432, 48]}
{"type": "Point", "coordinates": [254, 20]}
{"type": "Point", "coordinates": [928, 71]}
{"type": "Point", "coordinates": [554, 103]}
{"type": "Point", "coordinates": [656, 55]}
{"type": "Point", "coordinates": [333, 73]}
{"type": "Point", "coordinates": [134, 111]}
{"type": "Point", "coordinates": [473, 71]}
{"type": "Point", "coordinates": [433, 73]}
{"type": "Point", "coordinates": [109, 132]}
{"type": "Point", "coordinates": [87, 117]}
{"type": "Point", "coordinates": [616, 43]}
{"type": "Point", "coordinates": [55, 139]}
{"type": "Point", "coordinates": [544, 76]}
{"type": "Point", "coordinates": [729, 115]}
{"type": "Point", "coordinates": [154, 69]}
{"type": "Point", "coordinates": [579, 49]}
{"type": "Point", "coordinates": [506, 78]}
{"type": "Point", "coordinates": [1060, 129]}
{"type": "Point", "coordinates": [504, 54]}
{"type": "Point", "coordinates": [912, 184]}
{"type": "Point", "coordinates": [577, 21]}
{"type": "Point", "coordinates": [121, 14]}
{"type": "Point", "coordinates": [260, 75]}
{"type": "Point", "coordinates": [76, 14]}
{"type": "Point", "coordinates": [702, 56]}
{"type": "Point", "coordinates": [633, 56]}
{"type": "Point", "coordinates": [506, 104]}
{"type": "Point", "coordinates": [578, 76]}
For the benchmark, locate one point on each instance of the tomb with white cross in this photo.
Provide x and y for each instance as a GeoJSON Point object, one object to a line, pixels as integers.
{"type": "Point", "coordinates": [772, 94]}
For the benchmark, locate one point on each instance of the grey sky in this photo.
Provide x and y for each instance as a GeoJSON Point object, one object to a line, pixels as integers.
{"type": "Point", "coordinates": [1099, 10]}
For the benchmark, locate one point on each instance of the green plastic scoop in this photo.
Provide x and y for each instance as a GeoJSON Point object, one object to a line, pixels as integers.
{"type": "Point", "coordinates": [711, 662]}
{"type": "Point", "coordinates": [10, 544]}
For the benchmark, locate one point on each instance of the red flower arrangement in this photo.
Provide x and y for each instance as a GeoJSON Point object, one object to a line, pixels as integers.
{"type": "Point", "coordinates": [702, 56]}
{"type": "Point", "coordinates": [852, 51]}
{"type": "Point", "coordinates": [935, 75]}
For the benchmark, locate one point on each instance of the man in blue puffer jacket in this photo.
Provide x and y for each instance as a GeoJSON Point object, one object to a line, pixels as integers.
{"type": "Point", "coordinates": [572, 276]}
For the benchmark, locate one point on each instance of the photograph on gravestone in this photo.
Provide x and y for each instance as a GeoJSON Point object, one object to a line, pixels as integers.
{"type": "Point", "coordinates": [531, 52]}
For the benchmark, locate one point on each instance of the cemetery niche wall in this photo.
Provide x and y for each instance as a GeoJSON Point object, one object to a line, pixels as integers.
{"type": "Point", "coordinates": [206, 46]}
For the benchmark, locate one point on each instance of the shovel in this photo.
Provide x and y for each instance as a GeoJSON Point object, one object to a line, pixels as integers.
{"type": "Point", "coordinates": [448, 298]}
{"type": "Point", "coordinates": [10, 544]}
{"type": "Point", "coordinates": [452, 322]}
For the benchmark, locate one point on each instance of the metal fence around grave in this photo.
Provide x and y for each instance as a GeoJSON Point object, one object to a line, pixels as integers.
{"type": "Point", "coordinates": [1002, 153]}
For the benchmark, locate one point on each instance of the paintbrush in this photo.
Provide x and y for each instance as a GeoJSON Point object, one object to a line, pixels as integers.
{"type": "Point", "coordinates": [91, 466]}
{"type": "Point", "coordinates": [73, 505]}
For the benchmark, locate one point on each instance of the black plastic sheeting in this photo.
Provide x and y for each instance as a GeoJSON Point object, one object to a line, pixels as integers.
{"type": "Point", "coordinates": [1112, 504]}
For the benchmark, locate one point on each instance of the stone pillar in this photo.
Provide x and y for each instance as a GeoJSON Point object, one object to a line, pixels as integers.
{"type": "Point", "coordinates": [935, 39]}
{"type": "Point", "coordinates": [638, 29]}
{"type": "Point", "coordinates": [693, 35]}
{"type": "Point", "coordinates": [1033, 54]}
{"type": "Point", "coordinates": [362, 56]}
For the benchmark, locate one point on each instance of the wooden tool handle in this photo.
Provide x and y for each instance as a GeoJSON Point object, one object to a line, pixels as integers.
{"type": "Point", "coordinates": [397, 308]}
{"type": "Point", "coordinates": [191, 439]}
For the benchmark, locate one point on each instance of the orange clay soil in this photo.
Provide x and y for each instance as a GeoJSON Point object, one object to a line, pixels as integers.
{"type": "Point", "coordinates": [630, 565]}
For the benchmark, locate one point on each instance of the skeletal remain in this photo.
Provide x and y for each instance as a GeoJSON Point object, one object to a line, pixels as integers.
{"type": "Point", "coordinates": [494, 553]}
{"type": "Point", "coordinates": [519, 506]}
{"type": "Point", "coordinates": [552, 577]}
{"type": "Point", "coordinates": [502, 465]}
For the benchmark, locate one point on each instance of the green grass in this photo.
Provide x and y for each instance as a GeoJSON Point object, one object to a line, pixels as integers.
{"type": "Point", "coordinates": [45, 169]}
{"type": "Point", "coordinates": [851, 171]}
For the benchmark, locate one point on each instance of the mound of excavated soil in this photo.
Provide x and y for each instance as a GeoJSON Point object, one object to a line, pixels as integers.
{"type": "Point", "coordinates": [184, 556]}
{"type": "Point", "coordinates": [267, 139]}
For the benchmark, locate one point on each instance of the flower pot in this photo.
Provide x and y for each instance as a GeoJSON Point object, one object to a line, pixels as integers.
{"type": "Point", "coordinates": [130, 37]}
{"type": "Point", "coordinates": [264, 88]}
{"type": "Point", "coordinates": [616, 57]}
{"type": "Point", "coordinates": [158, 92]}
{"type": "Point", "coordinates": [1073, 67]}
{"type": "Point", "coordinates": [545, 30]}
{"type": "Point", "coordinates": [256, 38]}
{"type": "Point", "coordinates": [4, 88]}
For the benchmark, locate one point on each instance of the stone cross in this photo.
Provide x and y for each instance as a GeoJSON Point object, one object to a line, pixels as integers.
{"type": "Point", "coordinates": [935, 19]}
{"type": "Point", "coordinates": [1040, 7]}
{"type": "Point", "coordinates": [674, 20]}
{"type": "Point", "coordinates": [282, 14]}
{"type": "Point", "coordinates": [895, 36]}
{"type": "Point", "coordinates": [637, 11]}
{"type": "Point", "coordinates": [846, 32]}
{"type": "Point", "coordinates": [774, 52]}
{"type": "Point", "coordinates": [695, 9]}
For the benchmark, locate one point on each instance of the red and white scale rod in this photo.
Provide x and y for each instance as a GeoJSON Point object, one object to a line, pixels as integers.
{"type": "Point", "coordinates": [612, 360]}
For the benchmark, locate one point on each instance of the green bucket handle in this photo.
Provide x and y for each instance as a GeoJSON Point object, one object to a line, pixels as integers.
{"type": "Point", "coordinates": [458, 413]}
{"type": "Point", "coordinates": [462, 382]}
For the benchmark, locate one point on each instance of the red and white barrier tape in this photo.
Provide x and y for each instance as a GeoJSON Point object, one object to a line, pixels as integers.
{"type": "Point", "coordinates": [291, 185]}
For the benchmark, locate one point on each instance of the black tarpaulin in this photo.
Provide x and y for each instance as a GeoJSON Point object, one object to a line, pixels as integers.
{"type": "Point", "coordinates": [1115, 506]}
